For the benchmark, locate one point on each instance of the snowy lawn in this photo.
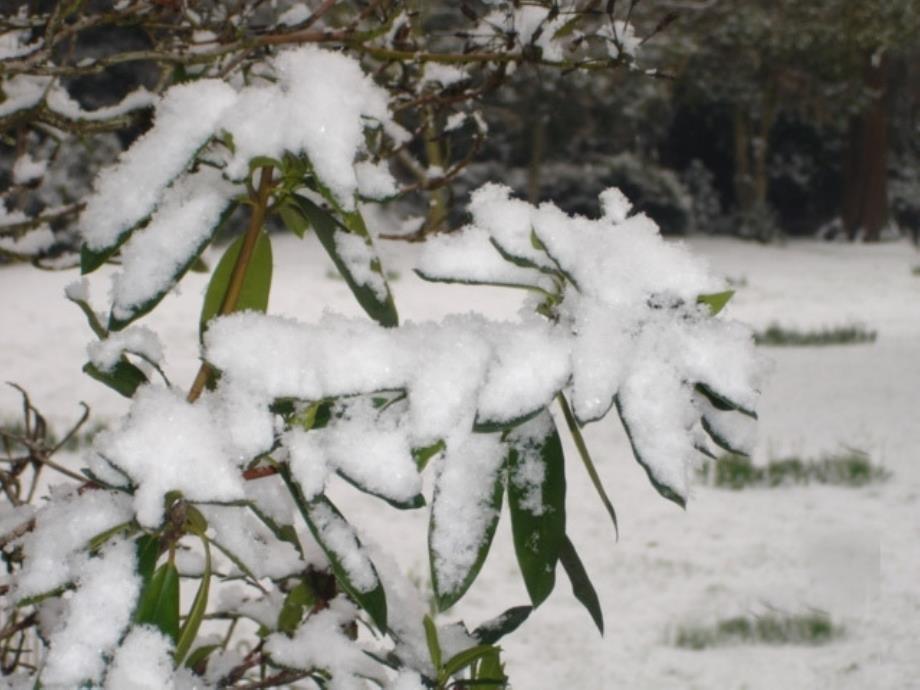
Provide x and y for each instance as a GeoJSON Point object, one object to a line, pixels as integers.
{"type": "Point", "coordinates": [851, 553]}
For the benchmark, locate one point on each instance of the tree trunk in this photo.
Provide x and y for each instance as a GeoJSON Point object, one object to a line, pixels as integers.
{"type": "Point", "coordinates": [865, 201]}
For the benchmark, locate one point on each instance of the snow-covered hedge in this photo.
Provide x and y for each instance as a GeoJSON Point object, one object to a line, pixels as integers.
{"type": "Point", "coordinates": [226, 484]}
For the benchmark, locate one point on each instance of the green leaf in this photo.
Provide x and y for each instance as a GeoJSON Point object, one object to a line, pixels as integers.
{"type": "Point", "coordinates": [124, 378]}
{"type": "Point", "coordinates": [256, 283]}
{"type": "Point", "coordinates": [458, 281]}
{"type": "Point", "coordinates": [431, 638]}
{"type": "Point", "coordinates": [446, 599]}
{"type": "Point", "coordinates": [326, 227]}
{"type": "Point", "coordinates": [91, 317]}
{"type": "Point", "coordinates": [661, 486]}
{"type": "Point", "coordinates": [373, 599]}
{"type": "Point", "coordinates": [298, 599]}
{"type": "Point", "coordinates": [96, 542]}
{"type": "Point", "coordinates": [159, 601]}
{"type": "Point", "coordinates": [200, 655]}
{"type": "Point", "coordinates": [413, 503]}
{"type": "Point", "coordinates": [537, 537]}
{"type": "Point", "coordinates": [493, 630]}
{"type": "Point", "coordinates": [422, 456]}
{"type": "Point", "coordinates": [92, 259]}
{"type": "Point", "coordinates": [721, 402]}
{"type": "Point", "coordinates": [199, 605]}
{"type": "Point", "coordinates": [586, 460]}
{"type": "Point", "coordinates": [490, 670]}
{"type": "Point", "coordinates": [147, 547]}
{"type": "Point", "coordinates": [491, 426]}
{"type": "Point", "coordinates": [116, 323]}
{"type": "Point", "coordinates": [581, 583]}
{"type": "Point", "coordinates": [464, 659]}
{"type": "Point", "coordinates": [719, 439]}
{"type": "Point", "coordinates": [716, 301]}
{"type": "Point", "coordinates": [293, 219]}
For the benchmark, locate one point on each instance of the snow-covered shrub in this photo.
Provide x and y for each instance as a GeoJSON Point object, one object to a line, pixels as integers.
{"type": "Point", "coordinates": [225, 485]}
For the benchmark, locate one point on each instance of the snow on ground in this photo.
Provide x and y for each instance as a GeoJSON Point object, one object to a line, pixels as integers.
{"type": "Point", "coordinates": [851, 552]}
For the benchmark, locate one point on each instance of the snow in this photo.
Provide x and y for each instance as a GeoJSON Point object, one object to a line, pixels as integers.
{"type": "Point", "coordinates": [138, 340]}
{"type": "Point", "coordinates": [142, 662]}
{"type": "Point", "coordinates": [442, 75]}
{"type": "Point", "coordinates": [190, 458]}
{"type": "Point", "coordinates": [468, 256]}
{"type": "Point", "coordinates": [361, 446]}
{"type": "Point", "coordinates": [26, 169]}
{"type": "Point", "coordinates": [727, 554]}
{"type": "Point", "coordinates": [319, 107]}
{"type": "Point", "coordinates": [375, 180]}
{"type": "Point", "coordinates": [530, 19]}
{"type": "Point", "coordinates": [339, 537]}
{"type": "Point", "coordinates": [130, 190]}
{"type": "Point", "coordinates": [320, 643]}
{"type": "Point", "coordinates": [295, 14]}
{"type": "Point", "coordinates": [529, 471]}
{"type": "Point", "coordinates": [99, 611]}
{"type": "Point", "coordinates": [31, 243]}
{"type": "Point", "coordinates": [62, 529]}
{"type": "Point", "coordinates": [249, 540]}
{"type": "Point", "coordinates": [185, 219]}
{"type": "Point", "coordinates": [22, 92]}
{"type": "Point", "coordinates": [462, 509]}
{"type": "Point", "coordinates": [621, 39]}
{"type": "Point", "coordinates": [61, 103]}
{"type": "Point", "coordinates": [358, 254]}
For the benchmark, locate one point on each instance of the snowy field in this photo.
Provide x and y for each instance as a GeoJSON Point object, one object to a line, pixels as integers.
{"type": "Point", "coordinates": [851, 552]}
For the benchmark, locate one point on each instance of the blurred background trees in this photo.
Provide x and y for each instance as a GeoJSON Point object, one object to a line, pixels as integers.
{"type": "Point", "coordinates": [759, 118]}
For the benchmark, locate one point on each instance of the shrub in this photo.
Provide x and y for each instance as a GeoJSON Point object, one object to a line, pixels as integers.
{"type": "Point", "coordinates": [225, 485]}
{"type": "Point", "coordinates": [850, 468]}
{"type": "Point", "coordinates": [772, 628]}
{"type": "Point", "coordinates": [776, 335]}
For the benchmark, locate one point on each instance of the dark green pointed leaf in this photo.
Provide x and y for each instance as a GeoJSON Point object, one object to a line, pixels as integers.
{"type": "Point", "coordinates": [522, 261]}
{"type": "Point", "coordinates": [147, 548]}
{"type": "Point", "coordinates": [431, 278]}
{"type": "Point", "coordinates": [716, 301]}
{"type": "Point", "coordinates": [581, 583]}
{"type": "Point", "coordinates": [661, 487]}
{"type": "Point", "coordinates": [491, 426]}
{"type": "Point", "coordinates": [537, 536]}
{"type": "Point", "coordinates": [199, 656]}
{"type": "Point", "coordinates": [256, 283]}
{"type": "Point", "coordinates": [124, 378]}
{"type": "Point", "coordinates": [371, 599]}
{"type": "Point", "coordinates": [446, 599]}
{"type": "Point", "coordinates": [382, 310]}
{"type": "Point", "coordinates": [91, 317]}
{"type": "Point", "coordinates": [100, 539]}
{"type": "Point", "coordinates": [719, 439]}
{"type": "Point", "coordinates": [586, 460]}
{"type": "Point", "coordinates": [721, 402]}
{"type": "Point", "coordinates": [493, 630]}
{"type": "Point", "coordinates": [189, 630]}
{"type": "Point", "coordinates": [413, 503]}
{"type": "Point", "coordinates": [116, 323]}
{"type": "Point", "coordinates": [159, 601]}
